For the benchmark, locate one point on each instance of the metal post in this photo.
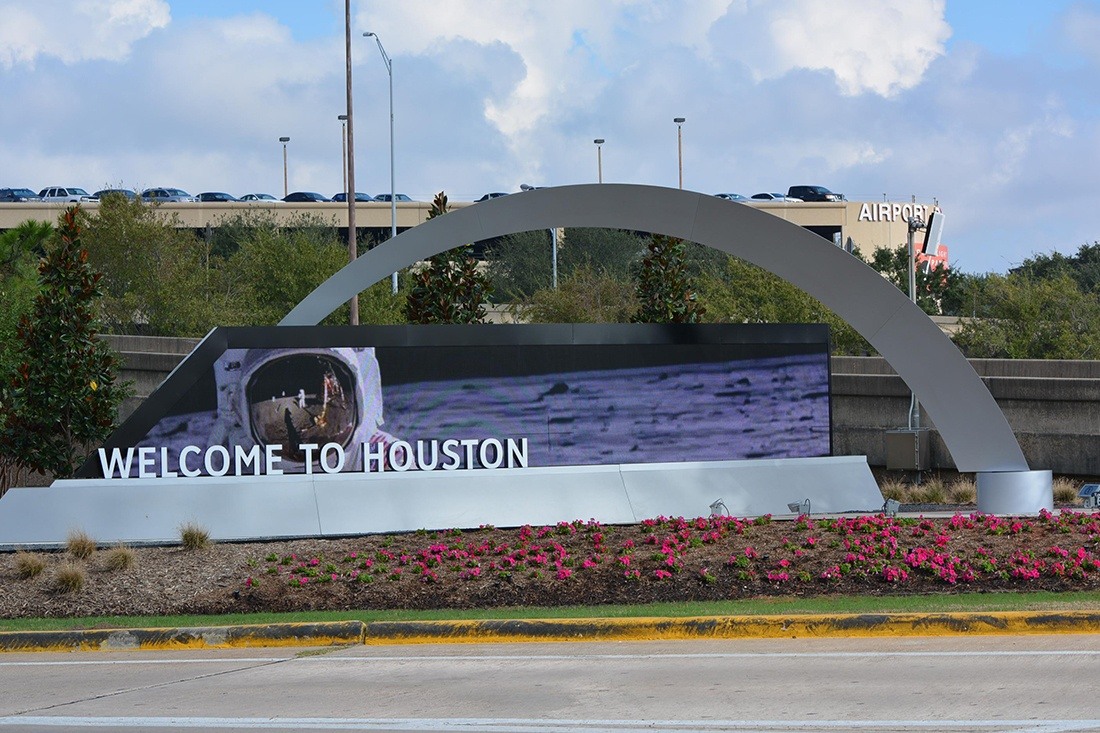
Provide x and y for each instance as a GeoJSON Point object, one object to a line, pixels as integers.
{"type": "Point", "coordinates": [344, 148]}
{"type": "Point", "coordinates": [914, 224]}
{"type": "Point", "coordinates": [599, 158]}
{"type": "Point", "coordinates": [393, 189]}
{"type": "Point", "coordinates": [353, 304]}
{"type": "Point", "coordinates": [680, 147]}
{"type": "Point", "coordinates": [554, 255]}
{"type": "Point", "coordinates": [286, 190]}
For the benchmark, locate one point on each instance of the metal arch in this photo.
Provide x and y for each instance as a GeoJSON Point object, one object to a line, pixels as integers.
{"type": "Point", "coordinates": [968, 419]}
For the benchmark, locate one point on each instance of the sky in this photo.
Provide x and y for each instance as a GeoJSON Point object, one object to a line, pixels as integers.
{"type": "Point", "coordinates": [990, 108]}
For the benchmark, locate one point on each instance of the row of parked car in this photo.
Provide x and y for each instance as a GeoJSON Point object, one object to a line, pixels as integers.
{"type": "Point", "coordinates": [74, 194]}
{"type": "Point", "coordinates": [794, 194]}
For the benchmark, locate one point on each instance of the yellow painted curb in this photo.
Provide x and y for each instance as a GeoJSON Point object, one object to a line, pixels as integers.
{"type": "Point", "coordinates": [533, 630]}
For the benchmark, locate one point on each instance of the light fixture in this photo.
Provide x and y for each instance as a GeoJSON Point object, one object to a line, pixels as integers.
{"type": "Point", "coordinates": [799, 507]}
{"type": "Point", "coordinates": [393, 191]}
{"type": "Point", "coordinates": [284, 140]}
{"type": "Point", "coordinates": [718, 508]}
{"type": "Point", "coordinates": [599, 159]}
{"type": "Point", "coordinates": [680, 147]}
{"type": "Point", "coordinates": [890, 507]}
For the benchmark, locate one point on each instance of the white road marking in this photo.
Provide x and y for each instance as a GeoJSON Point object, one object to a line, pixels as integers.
{"type": "Point", "coordinates": [520, 725]}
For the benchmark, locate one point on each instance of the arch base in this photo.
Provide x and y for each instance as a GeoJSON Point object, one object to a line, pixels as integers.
{"type": "Point", "coordinates": [1015, 492]}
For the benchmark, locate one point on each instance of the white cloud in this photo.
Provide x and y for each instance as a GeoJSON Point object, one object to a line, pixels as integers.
{"type": "Point", "coordinates": [881, 47]}
{"type": "Point", "coordinates": [75, 30]}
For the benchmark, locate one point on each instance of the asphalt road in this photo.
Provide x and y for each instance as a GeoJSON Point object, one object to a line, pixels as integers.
{"type": "Point", "coordinates": [992, 683]}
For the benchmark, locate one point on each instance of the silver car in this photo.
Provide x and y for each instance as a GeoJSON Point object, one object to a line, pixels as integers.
{"type": "Point", "coordinates": [166, 195]}
{"type": "Point", "coordinates": [64, 194]}
{"type": "Point", "coordinates": [774, 197]}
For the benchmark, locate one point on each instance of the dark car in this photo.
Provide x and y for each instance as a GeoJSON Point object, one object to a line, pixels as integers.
{"type": "Point", "coordinates": [305, 197]}
{"type": "Point", "coordinates": [123, 192]}
{"type": "Point", "coordinates": [215, 196]}
{"type": "Point", "coordinates": [814, 193]}
{"type": "Point", "coordinates": [359, 197]}
{"type": "Point", "coordinates": [166, 195]}
{"type": "Point", "coordinates": [386, 197]}
{"type": "Point", "coordinates": [494, 195]}
{"type": "Point", "coordinates": [12, 195]}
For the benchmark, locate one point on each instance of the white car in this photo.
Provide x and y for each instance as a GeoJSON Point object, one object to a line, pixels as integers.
{"type": "Point", "coordinates": [62, 195]}
{"type": "Point", "coordinates": [264, 197]}
{"type": "Point", "coordinates": [774, 197]}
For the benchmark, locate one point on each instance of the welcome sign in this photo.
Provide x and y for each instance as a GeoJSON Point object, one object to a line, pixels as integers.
{"type": "Point", "coordinates": [384, 400]}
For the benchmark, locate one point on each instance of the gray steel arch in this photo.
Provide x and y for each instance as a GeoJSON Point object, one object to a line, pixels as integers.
{"type": "Point", "coordinates": [969, 421]}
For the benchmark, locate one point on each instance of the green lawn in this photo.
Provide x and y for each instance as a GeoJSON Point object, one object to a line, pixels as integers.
{"type": "Point", "coordinates": [1041, 601]}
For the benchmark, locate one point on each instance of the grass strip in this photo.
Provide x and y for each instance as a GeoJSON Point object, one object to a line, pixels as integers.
{"type": "Point", "coordinates": [945, 603]}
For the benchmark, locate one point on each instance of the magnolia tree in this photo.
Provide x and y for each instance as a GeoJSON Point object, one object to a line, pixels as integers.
{"type": "Point", "coordinates": [62, 396]}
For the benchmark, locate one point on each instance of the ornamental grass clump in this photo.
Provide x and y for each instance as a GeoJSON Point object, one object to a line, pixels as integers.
{"type": "Point", "coordinates": [1065, 491]}
{"type": "Point", "coordinates": [194, 537]}
{"type": "Point", "coordinates": [119, 557]}
{"type": "Point", "coordinates": [69, 578]}
{"type": "Point", "coordinates": [80, 544]}
{"type": "Point", "coordinates": [29, 565]}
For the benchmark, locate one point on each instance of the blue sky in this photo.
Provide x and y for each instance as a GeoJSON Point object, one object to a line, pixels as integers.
{"type": "Point", "coordinates": [990, 108]}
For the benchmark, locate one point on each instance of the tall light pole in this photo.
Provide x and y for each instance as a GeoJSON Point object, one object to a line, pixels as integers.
{"type": "Point", "coordinates": [599, 158]}
{"type": "Point", "coordinates": [353, 304]}
{"type": "Point", "coordinates": [344, 148]}
{"type": "Point", "coordinates": [284, 141]}
{"type": "Point", "coordinates": [393, 191]}
{"type": "Point", "coordinates": [680, 147]}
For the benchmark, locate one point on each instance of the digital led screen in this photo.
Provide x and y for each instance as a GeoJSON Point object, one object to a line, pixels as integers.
{"type": "Point", "coordinates": [394, 399]}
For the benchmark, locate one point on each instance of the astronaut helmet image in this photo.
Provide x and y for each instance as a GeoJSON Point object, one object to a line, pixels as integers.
{"type": "Point", "coordinates": [300, 396]}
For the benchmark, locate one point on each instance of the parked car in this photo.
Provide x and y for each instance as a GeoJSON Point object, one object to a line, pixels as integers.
{"type": "Point", "coordinates": [166, 195]}
{"type": "Point", "coordinates": [266, 197]}
{"type": "Point", "coordinates": [215, 197]}
{"type": "Point", "coordinates": [359, 197]}
{"type": "Point", "coordinates": [495, 195]}
{"type": "Point", "coordinates": [731, 196]}
{"type": "Point", "coordinates": [773, 197]}
{"type": "Point", "coordinates": [124, 192]}
{"type": "Point", "coordinates": [12, 195]}
{"type": "Point", "coordinates": [399, 197]}
{"type": "Point", "coordinates": [305, 197]}
{"type": "Point", "coordinates": [814, 193]}
{"type": "Point", "coordinates": [62, 194]}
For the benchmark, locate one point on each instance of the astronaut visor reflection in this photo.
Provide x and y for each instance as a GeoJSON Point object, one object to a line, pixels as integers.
{"type": "Point", "coordinates": [302, 398]}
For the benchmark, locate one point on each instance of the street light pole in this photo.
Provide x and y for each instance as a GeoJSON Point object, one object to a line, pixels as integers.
{"type": "Point", "coordinates": [680, 147]}
{"type": "Point", "coordinates": [353, 304]}
{"type": "Point", "coordinates": [393, 189]}
{"type": "Point", "coordinates": [284, 141]}
{"type": "Point", "coordinates": [599, 158]}
{"type": "Point", "coordinates": [344, 148]}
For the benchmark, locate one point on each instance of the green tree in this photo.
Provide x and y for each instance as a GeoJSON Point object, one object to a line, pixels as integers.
{"type": "Point", "coordinates": [664, 290]}
{"type": "Point", "coordinates": [1083, 267]}
{"type": "Point", "coordinates": [62, 396]}
{"type": "Point", "coordinates": [158, 278]}
{"type": "Point", "coordinates": [745, 293]}
{"type": "Point", "coordinates": [452, 288]}
{"type": "Point", "coordinates": [938, 288]}
{"type": "Point", "coordinates": [1022, 318]}
{"type": "Point", "coordinates": [276, 267]}
{"type": "Point", "coordinates": [20, 249]}
{"type": "Point", "coordinates": [520, 264]}
{"type": "Point", "coordinates": [584, 296]}
{"type": "Point", "coordinates": [615, 252]}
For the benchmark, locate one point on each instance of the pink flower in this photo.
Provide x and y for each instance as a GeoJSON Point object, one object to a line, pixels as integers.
{"type": "Point", "coordinates": [563, 573]}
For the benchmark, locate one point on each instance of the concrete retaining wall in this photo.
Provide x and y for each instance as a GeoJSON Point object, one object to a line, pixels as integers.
{"type": "Point", "coordinates": [1053, 406]}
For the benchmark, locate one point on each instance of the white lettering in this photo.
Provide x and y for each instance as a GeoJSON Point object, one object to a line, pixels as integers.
{"type": "Point", "coordinates": [272, 457]}
{"type": "Point", "coordinates": [145, 461]}
{"type": "Point", "coordinates": [189, 473]}
{"type": "Point", "coordinates": [374, 452]}
{"type": "Point", "coordinates": [115, 463]}
{"type": "Point", "coordinates": [469, 444]}
{"type": "Point", "coordinates": [242, 459]}
{"type": "Point", "coordinates": [165, 472]}
{"type": "Point", "coordinates": [864, 212]}
{"type": "Point", "coordinates": [449, 451]}
{"type": "Point", "coordinates": [896, 212]}
{"type": "Point", "coordinates": [401, 456]}
{"type": "Point", "coordinates": [517, 454]}
{"type": "Point", "coordinates": [209, 464]}
{"type": "Point", "coordinates": [308, 449]}
{"type": "Point", "coordinates": [483, 453]}
{"type": "Point", "coordinates": [420, 461]}
{"type": "Point", "coordinates": [328, 450]}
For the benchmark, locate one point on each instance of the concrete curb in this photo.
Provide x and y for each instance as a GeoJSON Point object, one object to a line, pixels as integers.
{"type": "Point", "coordinates": [530, 630]}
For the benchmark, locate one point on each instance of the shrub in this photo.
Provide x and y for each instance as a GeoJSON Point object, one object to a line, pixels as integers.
{"type": "Point", "coordinates": [80, 544]}
{"type": "Point", "coordinates": [119, 557]}
{"type": "Point", "coordinates": [69, 577]}
{"type": "Point", "coordinates": [194, 537]}
{"type": "Point", "coordinates": [1065, 491]}
{"type": "Point", "coordinates": [894, 489]}
{"type": "Point", "coordinates": [962, 491]}
{"type": "Point", "coordinates": [28, 564]}
{"type": "Point", "coordinates": [930, 492]}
